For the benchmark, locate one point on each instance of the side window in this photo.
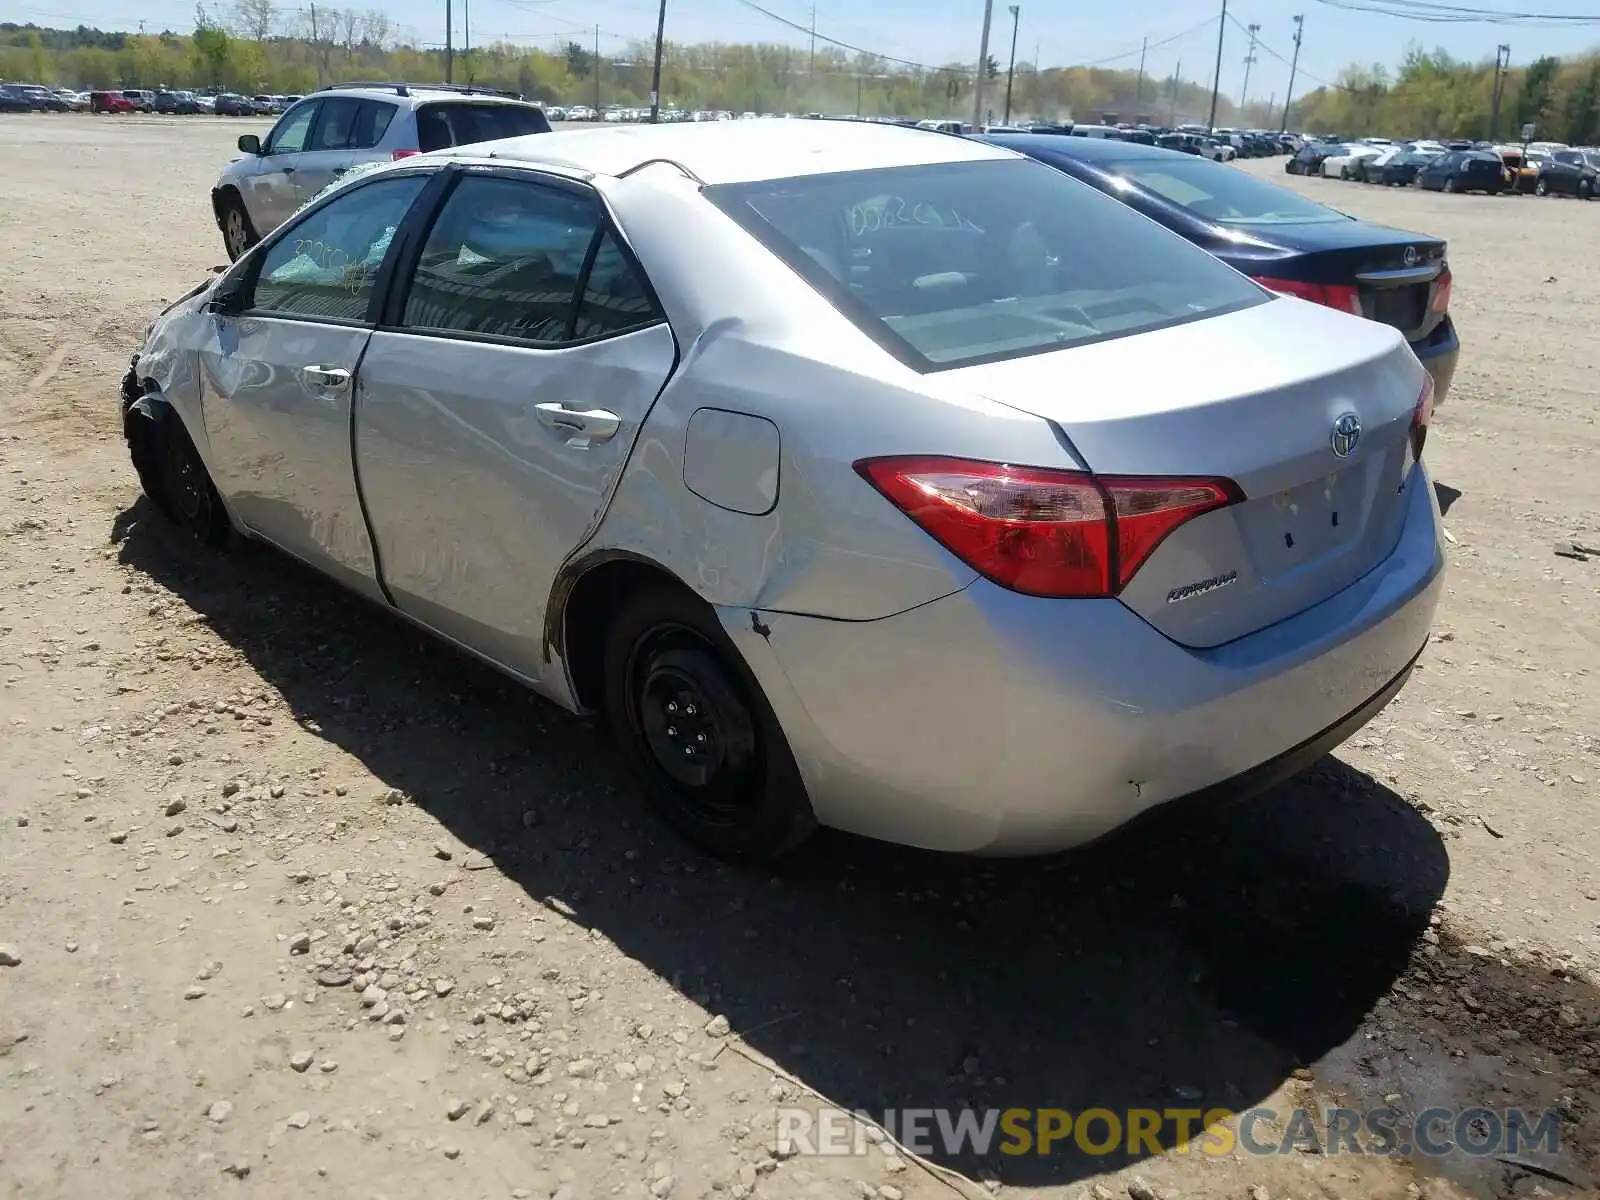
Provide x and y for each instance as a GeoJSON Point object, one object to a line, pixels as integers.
{"type": "Point", "coordinates": [372, 122]}
{"type": "Point", "coordinates": [503, 259]}
{"type": "Point", "coordinates": [335, 129]}
{"type": "Point", "coordinates": [290, 134]}
{"type": "Point", "coordinates": [326, 265]}
{"type": "Point", "coordinates": [616, 298]}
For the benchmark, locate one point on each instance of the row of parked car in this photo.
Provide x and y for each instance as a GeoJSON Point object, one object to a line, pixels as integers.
{"type": "Point", "coordinates": [1243, 559]}
{"type": "Point", "coordinates": [35, 97]}
{"type": "Point", "coordinates": [1542, 168]}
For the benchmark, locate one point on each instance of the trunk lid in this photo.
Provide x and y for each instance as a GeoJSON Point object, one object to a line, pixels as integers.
{"type": "Point", "coordinates": [1395, 273]}
{"type": "Point", "coordinates": [1253, 396]}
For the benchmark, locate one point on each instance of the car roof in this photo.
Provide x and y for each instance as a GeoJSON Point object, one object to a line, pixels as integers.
{"type": "Point", "coordinates": [1089, 150]}
{"type": "Point", "coordinates": [743, 151]}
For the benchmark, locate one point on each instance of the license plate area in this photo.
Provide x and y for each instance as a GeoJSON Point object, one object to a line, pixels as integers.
{"type": "Point", "coordinates": [1305, 525]}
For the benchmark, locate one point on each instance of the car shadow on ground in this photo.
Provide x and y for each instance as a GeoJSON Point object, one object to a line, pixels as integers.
{"type": "Point", "coordinates": [1193, 967]}
{"type": "Point", "coordinates": [1447, 496]}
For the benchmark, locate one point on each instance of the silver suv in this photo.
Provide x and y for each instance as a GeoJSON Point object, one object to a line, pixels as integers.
{"type": "Point", "coordinates": [346, 125]}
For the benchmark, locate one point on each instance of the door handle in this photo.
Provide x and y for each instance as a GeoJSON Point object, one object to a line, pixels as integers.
{"type": "Point", "coordinates": [333, 378]}
{"type": "Point", "coordinates": [588, 424]}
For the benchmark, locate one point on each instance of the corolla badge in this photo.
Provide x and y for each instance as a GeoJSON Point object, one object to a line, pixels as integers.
{"type": "Point", "coordinates": [1346, 433]}
{"type": "Point", "coordinates": [1411, 256]}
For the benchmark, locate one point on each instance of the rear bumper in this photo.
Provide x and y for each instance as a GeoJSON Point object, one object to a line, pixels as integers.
{"type": "Point", "coordinates": [991, 722]}
{"type": "Point", "coordinates": [1439, 352]}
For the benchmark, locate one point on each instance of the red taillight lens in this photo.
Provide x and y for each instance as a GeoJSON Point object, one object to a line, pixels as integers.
{"type": "Point", "coordinates": [1422, 417]}
{"type": "Point", "coordinates": [1041, 531]}
{"type": "Point", "coordinates": [1441, 293]}
{"type": "Point", "coordinates": [1335, 295]}
{"type": "Point", "coordinates": [397, 155]}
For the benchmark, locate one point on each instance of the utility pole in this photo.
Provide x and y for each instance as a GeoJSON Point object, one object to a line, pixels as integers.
{"type": "Point", "coordinates": [811, 69]}
{"type": "Point", "coordinates": [597, 72]}
{"type": "Point", "coordinates": [449, 49]}
{"type": "Point", "coordinates": [1138, 88]}
{"type": "Point", "coordinates": [1216, 78]}
{"type": "Point", "coordinates": [983, 67]}
{"type": "Point", "coordinates": [1502, 64]}
{"type": "Point", "coordinates": [1011, 68]}
{"type": "Point", "coordinates": [655, 71]}
{"type": "Point", "coordinates": [1288, 97]}
{"type": "Point", "coordinates": [466, 37]}
{"type": "Point", "coordinates": [1177, 76]}
{"type": "Point", "coordinates": [1249, 61]}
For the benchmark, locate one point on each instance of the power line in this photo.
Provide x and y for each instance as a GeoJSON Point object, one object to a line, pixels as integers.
{"type": "Point", "coordinates": [810, 31]}
{"type": "Point", "coordinates": [1427, 12]}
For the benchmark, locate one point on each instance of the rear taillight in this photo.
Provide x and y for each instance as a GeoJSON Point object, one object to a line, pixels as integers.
{"type": "Point", "coordinates": [1342, 296]}
{"type": "Point", "coordinates": [397, 155]}
{"type": "Point", "coordinates": [1421, 418]}
{"type": "Point", "coordinates": [1041, 531]}
{"type": "Point", "coordinates": [1441, 293]}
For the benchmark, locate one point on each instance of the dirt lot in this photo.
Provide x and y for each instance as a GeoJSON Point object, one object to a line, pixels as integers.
{"type": "Point", "coordinates": [230, 797]}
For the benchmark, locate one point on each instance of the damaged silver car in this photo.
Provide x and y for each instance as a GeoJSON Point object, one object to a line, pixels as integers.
{"type": "Point", "coordinates": [859, 476]}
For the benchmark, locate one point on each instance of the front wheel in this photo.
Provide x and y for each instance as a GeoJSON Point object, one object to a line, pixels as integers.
{"type": "Point", "coordinates": [698, 732]}
{"type": "Point", "coordinates": [172, 474]}
{"type": "Point", "coordinates": [1449, 183]}
{"type": "Point", "coordinates": [1585, 190]}
{"type": "Point", "coordinates": [1542, 188]}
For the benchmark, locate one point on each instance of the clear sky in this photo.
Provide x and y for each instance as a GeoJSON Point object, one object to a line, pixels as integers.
{"type": "Point", "coordinates": [1059, 33]}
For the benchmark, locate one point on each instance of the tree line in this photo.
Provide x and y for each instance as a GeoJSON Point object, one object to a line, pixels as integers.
{"type": "Point", "coordinates": [255, 47]}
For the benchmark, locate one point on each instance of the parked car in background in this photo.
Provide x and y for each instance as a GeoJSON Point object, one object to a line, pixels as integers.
{"type": "Point", "coordinates": [1465, 171]}
{"type": "Point", "coordinates": [1279, 238]}
{"type": "Point", "coordinates": [1309, 158]}
{"type": "Point", "coordinates": [1365, 168]}
{"type": "Point", "coordinates": [1570, 173]}
{"type": "Point", "coordinates": [231, 104]}
{"type": "Point", "coordinates": [110, 102]}
{"type": "Point", "coordinates": [13, 101]}
{"type": "Point", "coordinates": [1338, 164]}
{"type": "Point", "coordinates": [1401, 170]}
{"type": "Point", "coordinates": [40, 98]}
{"type": "Point", "coordinates": [342, 126]}
{"type": "Point", "coordinates": [142, 100]}
{"type": "Point", "coordinates": [1204, 582]}
{"type": "Point", "coordinates": [176, 103]}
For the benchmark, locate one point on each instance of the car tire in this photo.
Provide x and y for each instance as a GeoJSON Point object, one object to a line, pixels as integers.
{"type": "Point", "coordinates": [1541, 188]}
{"type": "Point", "coordinates": [173, 475]}
{"type": "Point", "coordinates": [238, 232]}
{"type": "Point", "coordinates": [698, 732]}
{"type": "Point", "coordinates": [1585, 190]}
{"type": "Point", "coordinates": [1449, 184]}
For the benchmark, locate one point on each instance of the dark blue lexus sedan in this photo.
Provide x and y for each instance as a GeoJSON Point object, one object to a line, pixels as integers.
{"type": "Point", "coordinates": [1280, 239]}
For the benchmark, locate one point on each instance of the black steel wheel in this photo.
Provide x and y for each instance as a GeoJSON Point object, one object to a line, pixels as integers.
{"type": "Point", "coordinates": [188, 497]}
{"type": "Point", "coordinates": [698, 731]}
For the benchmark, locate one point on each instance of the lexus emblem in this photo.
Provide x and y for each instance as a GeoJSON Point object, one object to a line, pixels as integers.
{"type": "Point", "coordinates": [1346, 433]}
{"type": "Point", "coordinates": [1411, 256]}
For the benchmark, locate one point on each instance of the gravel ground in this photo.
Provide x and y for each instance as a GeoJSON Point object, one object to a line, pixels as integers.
{"type": "Point", "coordinates": [293, 902]}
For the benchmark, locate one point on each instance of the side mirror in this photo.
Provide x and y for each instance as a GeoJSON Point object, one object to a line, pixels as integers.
{"type": "Point", "coordinates": [228, 299]}
{"type": "Point", "coordinates": [250, 143]}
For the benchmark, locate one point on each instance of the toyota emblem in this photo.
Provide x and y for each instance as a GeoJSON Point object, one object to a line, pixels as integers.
{"type": "Point", "coordinates": [1411, 256]}
{"type": "Point", "coordinates": [1346, 433]}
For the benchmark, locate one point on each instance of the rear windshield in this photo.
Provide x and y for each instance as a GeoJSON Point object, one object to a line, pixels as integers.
{"type": "Point", "coordinates": [958, 263]}
{"type": "Point", "coordinates": [1217, 193]}
{"type": "Point", "coordinates": [463, 123]}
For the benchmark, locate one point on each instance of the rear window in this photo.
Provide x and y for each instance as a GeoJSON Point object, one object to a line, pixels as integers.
{"type": "Point", "coordinates": [1221, 194]}
{"type": "Point", "coordinates": [463, 123]}
{"type": "Point", "coordinates": [953, 264]}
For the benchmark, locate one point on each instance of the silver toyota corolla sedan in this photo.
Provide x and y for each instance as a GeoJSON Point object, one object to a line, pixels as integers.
{"type": "Point", "coordinates": [860, 476]}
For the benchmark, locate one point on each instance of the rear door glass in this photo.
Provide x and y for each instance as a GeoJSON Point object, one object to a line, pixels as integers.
{"type": "Point", "coordinates": [372, 122]}
{"type": "Point", "coordinates": [462, 123]}
{"type": "Point", "coordinates": [334, 131]}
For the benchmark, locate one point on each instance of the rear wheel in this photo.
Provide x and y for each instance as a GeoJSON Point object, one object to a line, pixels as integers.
{"type": "Point", "coordinates": [1542, 188]}
{"type": "Point", "coordinates": [238, 234]}
{"type": "Point", "coordinates": [698, 732]}
{"type": "Point", "coordinates": [1449, 183]}
{"type": "Point", "coordinates": [1585, 190]}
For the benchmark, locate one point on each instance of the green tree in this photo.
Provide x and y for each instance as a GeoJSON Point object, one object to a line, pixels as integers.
{"type": "Point", "coordinates": [1536, 95]}
{"type": "Point", "coordinates": [1579, 117]}
{"type": "Point", "coordinates": [212, 47]}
